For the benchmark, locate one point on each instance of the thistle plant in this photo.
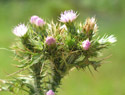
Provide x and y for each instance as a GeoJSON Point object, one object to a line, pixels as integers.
{"type": "Point", "coordinates": [48, 51]}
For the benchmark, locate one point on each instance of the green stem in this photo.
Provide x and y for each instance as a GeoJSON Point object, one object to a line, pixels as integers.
{"type": "Point", "coordinates": [37, 78]}
{"type": "Point", "coordinates": [71, 29]}
{"type": "Point", "coordinates": [56, 79]}
{"type": "Point", "coordinates": [58, 72]}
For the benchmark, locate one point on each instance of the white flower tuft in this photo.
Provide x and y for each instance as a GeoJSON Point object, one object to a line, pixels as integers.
{"type": "Point", "coordinates": [105, 39]}
{"type": "Point", "coordinates": [20, 30]}
{"type": "Point", "coordinates": [112, 39]}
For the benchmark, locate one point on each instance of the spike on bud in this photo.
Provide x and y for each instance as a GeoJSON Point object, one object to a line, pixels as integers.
{"type": "Point", "coordinates": [86, 44]}
{"type": "Point", "coordinates": [50, 92]}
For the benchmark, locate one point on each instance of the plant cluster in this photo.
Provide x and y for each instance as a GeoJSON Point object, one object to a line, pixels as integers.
{"type": "Point", "coordinates": [48, 51]}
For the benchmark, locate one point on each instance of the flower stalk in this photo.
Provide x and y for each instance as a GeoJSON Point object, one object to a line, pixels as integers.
{"type": "Point", "coordinates": [36, 68]}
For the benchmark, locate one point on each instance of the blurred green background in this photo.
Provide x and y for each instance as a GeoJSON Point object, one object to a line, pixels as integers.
{"type": "Point", "coordinates": [110, 14]}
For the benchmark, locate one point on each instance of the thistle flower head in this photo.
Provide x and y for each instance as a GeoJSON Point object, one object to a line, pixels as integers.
{"type": "Point", "coordinates": [39, 22]}
{"type": "Point", "coordinates": [86, 44]}
{"type": "Point", "coordinates": [68, 16]}
{"type": "Point", "coordinates": [90, 24]}
{"type": "Point", "coordinates": [20, 30]}
{"type": "Point", "coordinates": [33, 19]}
{"type": "Point", "coordinates": [50, 41]}
{"type": "Point", "coordinates": [50, 92]}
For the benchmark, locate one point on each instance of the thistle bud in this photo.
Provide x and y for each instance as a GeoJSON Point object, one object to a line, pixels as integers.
{"type": "Point", "coordinates": [86, 44]}
{"type": "Point", "coordinates": [90, 24]}
{"type": "Point", "coordinates": [50, 41]}
{"type": "Point", "coordinates": [50, 92]}
{"type": "Point", "coordinates": [39, 22]}
{"type": "Point", "coordinates": [33, 19]}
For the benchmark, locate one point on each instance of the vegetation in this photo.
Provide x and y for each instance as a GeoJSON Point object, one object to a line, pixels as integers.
{"type": "Point", "coordinates": [110, 78]}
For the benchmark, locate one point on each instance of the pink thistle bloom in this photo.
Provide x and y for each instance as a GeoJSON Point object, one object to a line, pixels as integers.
{"type": "Point", "coordinates": [68, 16]}
{"type": "Point", "coordinates": [33, 19]}
{"type": "Point", "coordinates": [39, 22]}
{"type": "Point", "coordinates": [20, 30]}
{"type": "Point", "coordinates": [86, 44]}
{"type": "Point", "coordinates": [50, 92]}
{"type": "Point", "coordinates": [50, 41]}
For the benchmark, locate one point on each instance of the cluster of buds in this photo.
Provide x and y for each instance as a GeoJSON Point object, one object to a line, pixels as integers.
{"type": "Point", "coordinates": [22, 29]}
{"type": "Point", "coordinates": [35, 20]}
{"type": "Point", "coordinates": [90, 25]}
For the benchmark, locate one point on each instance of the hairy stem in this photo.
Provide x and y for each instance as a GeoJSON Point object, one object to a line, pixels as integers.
{"type": "Point", "coordinates": [56, 79]}
{"type": "Point", "coordinates": [37, 78]}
